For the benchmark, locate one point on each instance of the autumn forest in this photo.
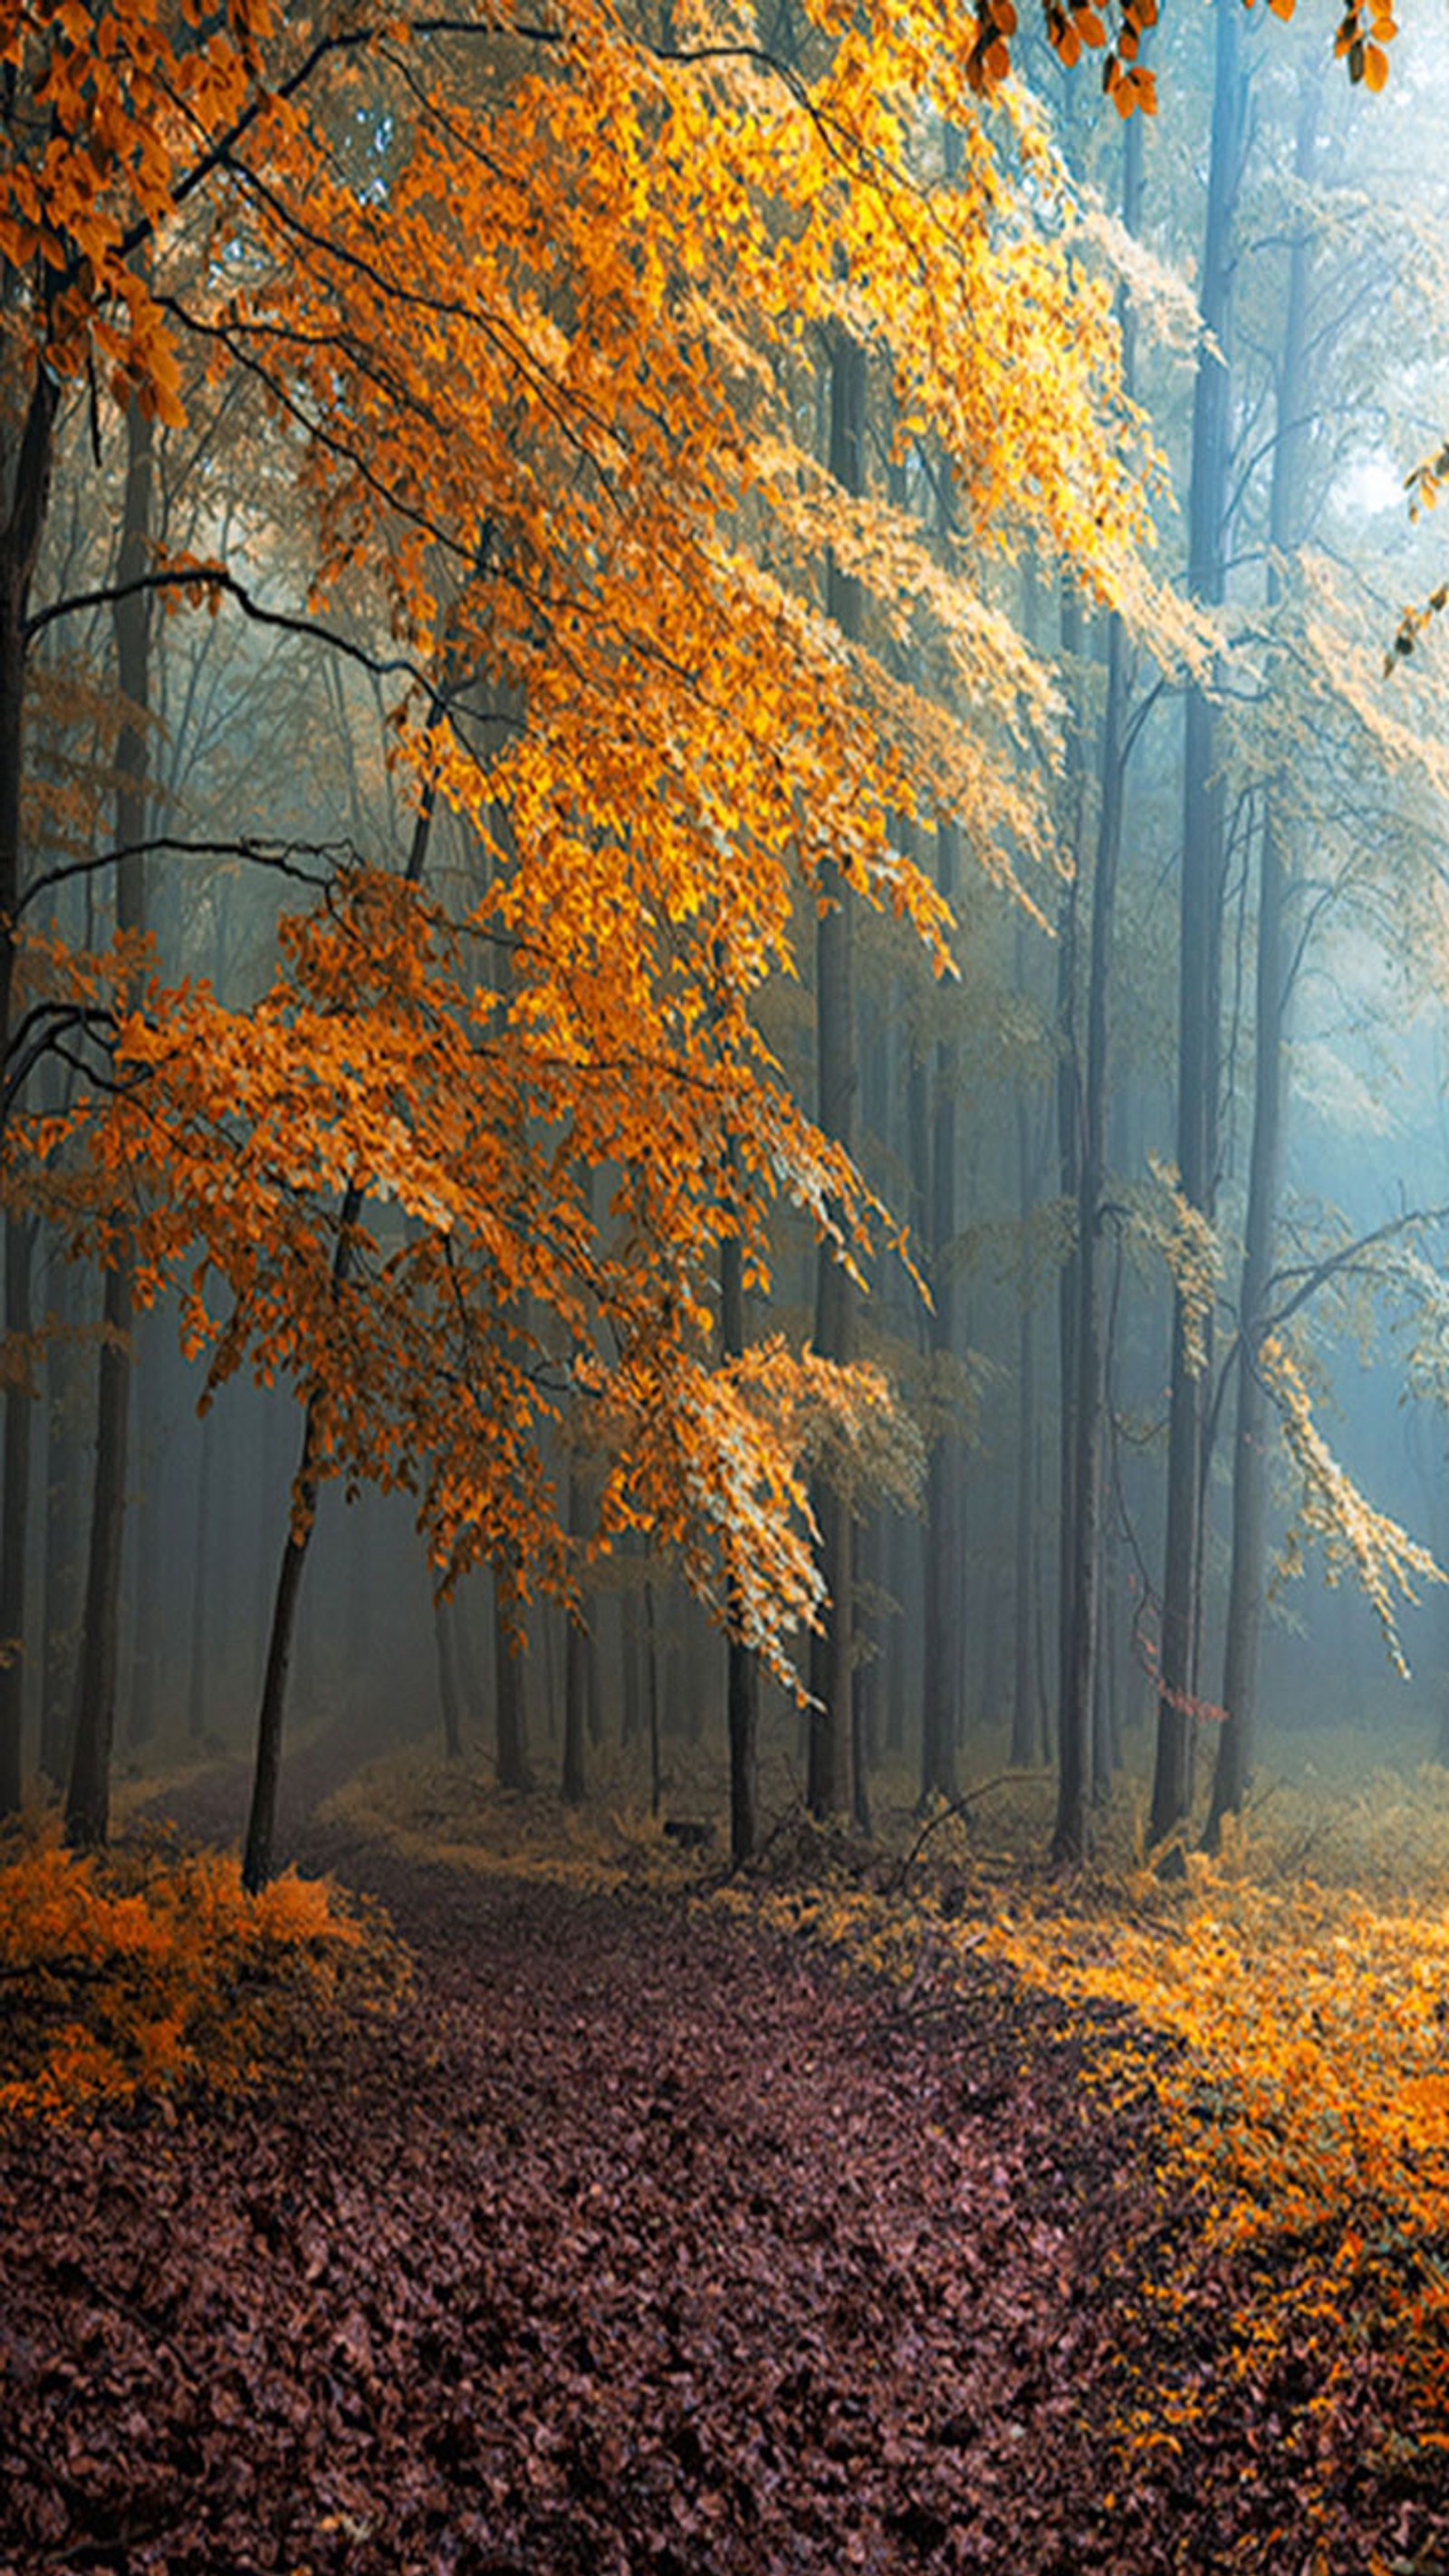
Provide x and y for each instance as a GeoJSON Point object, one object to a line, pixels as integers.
{"type": "Point", "coordinates": [724, 1140]}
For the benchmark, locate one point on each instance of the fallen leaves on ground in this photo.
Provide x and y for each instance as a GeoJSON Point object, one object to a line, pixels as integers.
{"type": "Point", "coordinates": [642, 2241]}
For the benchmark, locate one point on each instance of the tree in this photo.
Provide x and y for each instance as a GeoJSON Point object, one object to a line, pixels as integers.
{"type": "Point", "coordinates": [1199, 951]}
{"type": "Point", "coordinates": [534, 376]}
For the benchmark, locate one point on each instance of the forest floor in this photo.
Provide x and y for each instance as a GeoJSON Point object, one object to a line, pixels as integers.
{"type": "Point", "coordinates": [641, 2239]}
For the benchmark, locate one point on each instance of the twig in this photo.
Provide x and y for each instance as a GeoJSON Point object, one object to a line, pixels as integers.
{"type": "Point", "coordinates": [943, 1816]}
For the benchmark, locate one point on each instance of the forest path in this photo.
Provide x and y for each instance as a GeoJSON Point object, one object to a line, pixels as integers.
{"type": "Point", "coordinates": [639, 2243]}
{"type": "Point", "coordinates": [636, 2242]}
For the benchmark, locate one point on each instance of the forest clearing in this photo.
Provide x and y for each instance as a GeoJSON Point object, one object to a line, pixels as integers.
{"type": "Point", "coordinates": [724, 1040]}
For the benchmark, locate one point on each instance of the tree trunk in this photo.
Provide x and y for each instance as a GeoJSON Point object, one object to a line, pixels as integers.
{"type": "Point", "coordinates": [1200, 948]}
{"type": "Point", "coordinates": [66, 1388]}
{"type": "Point", "coordinates": [578, 1656]}
{"type": "Point", "coordinates": [88, 1791]}
{"type": "Point", "coordinates": [1248, 1576]}
{"type": "Point", "coordinates": [257, 1860]}
{"type": "Point", "coordinates": [447, 1680]}
{"type": "Point", "coordinates": [831, 1656]}
{"type": "Point", "coordinates": [196, 1676]}
{"type": "Point", "coordinates": [941, 1641]}
{"type": "Point", "coordinates": [28, 502]}
{"type": "Point", "coordinates": [651, 1673]}
{"type": "Point", "coordinates": [470, 1680]}
{"type": "Point", "coordinates": [510, 1705]}
{"type": "Point", "coordinates": [1069, 1171]}
{"type": "Point", "coordinates": [1084, 1565]}
{"type": "Point", "coordinates": [742, 1678]}
{"type": "Point", "coordinates": [1023, 1679]}
{"type": "Point", "coordinates": [146, 1572]}
{"type": "Point", "coordinates": [19, 1412]}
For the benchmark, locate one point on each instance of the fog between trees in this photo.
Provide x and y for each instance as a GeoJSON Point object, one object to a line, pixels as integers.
{"type": "Point", "coordinates": [1167, 1135]}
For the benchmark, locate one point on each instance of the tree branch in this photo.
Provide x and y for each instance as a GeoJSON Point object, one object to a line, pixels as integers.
{"type": "Point", "coordinates": [278, 855]}
{"type": "Point", "coordinates": [216, 577]}
{"type": "Point", "coordinates": [1311, 1279]}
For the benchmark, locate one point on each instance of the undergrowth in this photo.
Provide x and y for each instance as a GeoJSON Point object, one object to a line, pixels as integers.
{"type": "Point", "coordinates": [450, 1813]}
{"type": "Point", "coordinates": [147, 1971]}
{"type": "Point", "coordinates": [1286, 2005]}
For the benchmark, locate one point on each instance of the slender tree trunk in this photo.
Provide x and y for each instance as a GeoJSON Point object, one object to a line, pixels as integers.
{"type": "Point", "coordinates": [742, 1676]}
{"type": "Point", "coordinates": [26, 503]}
{"type": "Point", "coordinates": [944, 1572]}
{"type": "Point", "coordinates": [198, 1673]}
{"type": "Point", "coordinates": [509, 1701]}
{"type": "Point", "coordinates": [578, 1656]}
{"type": "Point", "coordinates": [1200, 948]}
{"type": "Point", "coordinates": [469, 1678]}
{"type": "Point", "coordinates": [1023, 1679]}
{"type": "Point", "coordinates": [630, 1686]}
{"type": "Point", "coordinates": [898, 1561]}
{"type": "Point", "coordinates": [831, 1655]}
{"type": "Point", "coordinates": [1084, 1565]}
{"type": "Point", "coordinates": [651, 1674]}
{"type": "Point", "coordinates": [60, 1582]}
{"type": "Point", "coordinates": [257, 1857]}
{"type": "Point", "coordinates": [1069, 1173]}
{"type": "Point", "coordinates": [1247, 1579]}
{"type": "Point", "coordinates": [88, 1791]}
{"type": "Point", "coordinates": [19, 1412]}
{"type": "Point", "coordinates": [141, 1716]}
{"type": "Point", "coordinates": [447, 1680]}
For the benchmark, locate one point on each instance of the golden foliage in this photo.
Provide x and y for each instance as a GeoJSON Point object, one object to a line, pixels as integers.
{"type": "Point", "coordinates": [1286, 2006]}
{"type": "Point", "coordinates": [1356, 1539]}
{"type": "Point", "coordinates": [540, 377]}
{"type": "Point", "coordinates": [149, 1971]}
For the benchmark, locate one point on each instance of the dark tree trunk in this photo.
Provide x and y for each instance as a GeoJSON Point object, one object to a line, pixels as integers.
{"type": "Point", "coordinates": [944, 1567]}
{"type": "Point", "coordinates": [1084, 1565]}
{"type": "Point", "coordinates": [651, 1676]}
{"type": "Point", "coordinates": [1069, 1172]}
{"type": "Point", "coordinates": [203, 1553]}
{"type": "Point", "coordinates": [897, 1661]}
{"type": "Point", "coordinates": [742, 1677]}
{"type": "Point", "coordinates": [469, 1678]}
{"type": "Point", "coordinates": [447, 1680]}
{"type": "Point", "coordinates": [1200, 949]}
{"type": "Point", "coordinates": [509, 1702]}
{"type": "Point", "coordinates": [257, 1859]}
{"type": "Point", "coordinates": [146, 1583]}
{"type": "Point", "coordinates": [19, 1412]}
{"type": "Point", "coordinates": [1023, 1676]}
{"type": "Point", "coordinates": [578, 1657]}
{"type": "Point", "coordinates": [1248, 1576]}
{"type": "Point", "coordinates": [831, 1650]}
{"type": "Point", "coordinates": [26, 504]}
{"type": "Point", "coordinates": [66, 1386]}
{"type": "Point", "coordinates": [88, 1791]}
{"type": "Point", "coordinates": [1081, 1730]}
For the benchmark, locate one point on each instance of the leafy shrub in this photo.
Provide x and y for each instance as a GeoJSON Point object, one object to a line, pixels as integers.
{"type": "Point", "coordinates": [148, 1970]}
